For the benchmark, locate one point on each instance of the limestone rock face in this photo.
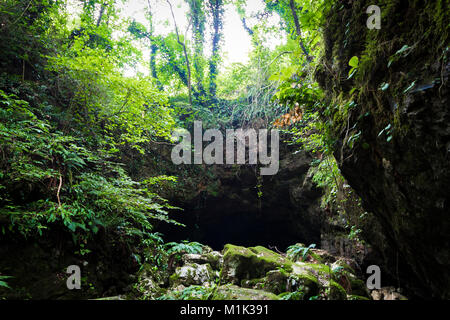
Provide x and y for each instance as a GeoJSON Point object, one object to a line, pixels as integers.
{"type": "Point", "coordinates": [400, 164]}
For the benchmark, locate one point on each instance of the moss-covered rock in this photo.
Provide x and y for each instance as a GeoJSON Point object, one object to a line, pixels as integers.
{"type": "Point", "coordinates": [276, 281]}
{"type": "Point", "coordinates": [296, 295]}
{"type": "Point", "coordinates": [345, 264]}
{"type": "Point", "coordinates": [193, 292]}
{"type": "Point", "coordinates": [249, 263]}
{"type": "Point", "coordinates": [335, 291]}
{"type": "Point", "coordinates": [148, 284]}
{"type": "Point", "coordinates": [258, 284]}
{"type": "Point", "coordinates": [305, 283]}
{"type": "Point", "coordinates": [233, 292]}
{"type": "Point", "coordinates": [313, 269]}
{"type": "Point", "coordinates": [215, 259]}
{"type": "Point", "coordinates": [192, 274]}
{"type": "Point", "coordinates": [322, 256]}
{"type": "Point", "coordinates": [194, 258]}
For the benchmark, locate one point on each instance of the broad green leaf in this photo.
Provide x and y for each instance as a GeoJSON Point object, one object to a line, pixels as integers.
{"type": "Point", "coordinates": [354, 62]}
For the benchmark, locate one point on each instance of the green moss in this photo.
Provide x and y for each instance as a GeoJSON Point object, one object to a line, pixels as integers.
{"type": "Point", "coordinates": [258, 283]}
{"type": "Point", "coordinates": [276, 281]}
{"type": "Point", "coordinates": [336, 291]}
{"type": "Point", "coordinates": [321, 269]}
{"type": "Point", "coordinates": [426, 37]}
{"type": "Point", "coordinates": [230, 249]}
{"type": "Point", "coordinates": [272, 258]}
{"type": "Point", "coordinates": [316, 257]}
{"type": "Point", "coordinates": [306, 279]}
{"type": "Point", "coordinates": [232, 292]}
{"type": "Point", "coordinates": [345, 266]}
{"type": "Point", "coordinates": [174, 279]}
{"type": "Point", "coordinates": [213, 260]}
{"type": "Point", "coordinates": [249, 263]}
{"type": "Point", "coordinates": [297, 295]}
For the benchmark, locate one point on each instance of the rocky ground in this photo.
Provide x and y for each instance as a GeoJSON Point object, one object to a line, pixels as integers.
{"type": "Point", "coordinates": [256, 273]}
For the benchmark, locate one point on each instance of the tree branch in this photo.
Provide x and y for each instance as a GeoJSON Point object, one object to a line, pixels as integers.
{"type": "Point", "coordinates": [102, 10]}
{"type": "Point", "coordinates": [299, 30]}
{"type": "Point", "coordinates": [59, 189]}
{"type": "Point", "coordinates": [185, 53]}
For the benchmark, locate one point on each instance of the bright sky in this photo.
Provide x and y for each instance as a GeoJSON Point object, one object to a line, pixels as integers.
{"type": "Point", "coordinates": [236, 43]}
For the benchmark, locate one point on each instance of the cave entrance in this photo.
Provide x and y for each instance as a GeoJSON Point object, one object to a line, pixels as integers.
{"type": "Point", "coordinates": [236, 205]}
{"type": "Point", "coordinates": [276, 229]}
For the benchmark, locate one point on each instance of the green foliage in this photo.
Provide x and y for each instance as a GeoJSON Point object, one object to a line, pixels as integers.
{"type": "Point", "coordinates": [154, 251]}
{"type": "Point", "coordinates": [296, 251]}
{"type": "Point", "coordinates": [190, 293]}
{"type": "Point", "coordinates": [354, 233]}
{"type": "Point", "coordinates": [326, 175]}
{"type": "Point", "coordinates": [196, 293]}
{"type": "Point", "coordinates": [34, 155]}
{"type": "Point", "coordinates": [184, 247]}
{"type": "Point", "coordinates": [354, 63]}
{"type": "Point", "coordinates": [131, 110]}
{"type": "Point", "coordinates": [296, 295]}
{"type": "Point", "coordinates": [3, 283]}
{"type": "Point", "coordinates": [65, 121]}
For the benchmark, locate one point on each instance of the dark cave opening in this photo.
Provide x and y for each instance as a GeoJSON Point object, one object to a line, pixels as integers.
{"type": "Point", "coordinates": [268, 228]}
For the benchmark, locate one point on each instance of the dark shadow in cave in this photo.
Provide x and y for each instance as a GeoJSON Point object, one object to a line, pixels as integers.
{"type": "Point", "coordinates": [268, 229]}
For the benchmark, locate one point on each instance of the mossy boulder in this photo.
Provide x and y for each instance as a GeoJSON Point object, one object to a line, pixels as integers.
{"type": "Point", "coordinates": [260, 273]}
{"type": "Point", "coordinates": [148, 284]}
{"type": "Point", "coordinates": [322, 256]}
{"type": "Point", "coordinates": [316, 270]}
{"type": "Point", "coordinates": [335, 291]}
{"type": "Point", "coordinates": [305, 283]}
{"type": "Point", "coordinates": [215, 259]}
{"type": "Point", "coordinates": [279, 281]}
{"type": "Point", "coordinates": [233, 292]}
{"type": "Point", "coordinates": [276, 281]}
{"type": "Point", "coordinates": [193, 292]}
{"type": "Point", "coordinates": [192, 274]}
{"type": "Point", "coordinates": [194, 258]}
{"type": "Point", "coordinates": [257, 284]}
{"type": "Point", "coordinates": [346, 264]}
{"type": "Point", "coordinates": [249, 263]}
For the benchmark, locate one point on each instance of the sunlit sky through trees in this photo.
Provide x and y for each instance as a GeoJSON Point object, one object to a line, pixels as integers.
{"type": "Point", "coordinates": [236, 44]}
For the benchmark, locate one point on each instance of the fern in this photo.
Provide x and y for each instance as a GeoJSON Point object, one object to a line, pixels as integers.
{"type": "Point", "coordinates": [184, 247]}
{"type": "Point", "coordinates": [3, 283]}
{"type": "Point", "coordinates": [296, 251]}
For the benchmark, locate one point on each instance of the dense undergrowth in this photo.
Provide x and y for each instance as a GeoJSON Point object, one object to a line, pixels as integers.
{"type": "Point", "coordinates": [66, 114]}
